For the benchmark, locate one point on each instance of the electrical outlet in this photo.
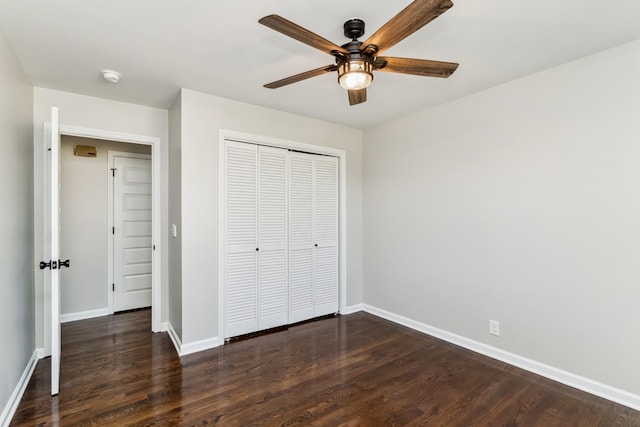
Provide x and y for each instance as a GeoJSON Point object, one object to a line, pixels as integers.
{"type": "Point", "coordinates": [494, 327]}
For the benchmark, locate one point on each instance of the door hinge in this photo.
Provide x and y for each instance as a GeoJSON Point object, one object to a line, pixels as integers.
{"type": "Point", "coordinates": [113, 230]}
{"type": "Point", "coordinates": [113, 171]}
{"type": "Point", "coordinates": [113, 287]}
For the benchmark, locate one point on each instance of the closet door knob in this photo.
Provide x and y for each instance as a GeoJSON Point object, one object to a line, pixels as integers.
{"type": "Point", "coordinates": [257, 249]}
{"type": "Point", "coordinates": [316, 245]}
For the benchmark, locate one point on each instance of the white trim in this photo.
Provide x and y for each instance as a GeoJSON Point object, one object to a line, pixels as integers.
{"type": "Point", "coordinates": [41, 353]}
{"type": "Point", "coordinates": [192, 347]}
{"type": "Point", "coordinates": [342, 229]}
{"type": "Point", "coordinates": [111, 155]}
{"type": "Point", "coordinates": [82, 315]}
{"type": "Point", "coordinates": [175, 339]}
{"type": "Point", "coordinates": [225, 134]}
{"type": "Point", "coordinates": [14, 400]}
{"type": "Point", "coordinates": [588, 385]}
{"type": "Point", "coordinates": [108, 135]}
{"type": "Point", "coordinates": [350, 309]}
{"type": "Point", "coordinates": [221, 233]}
{"type": "Point", "coordinates": [196, 346]}
{"type": "Point", "coordinates": [282, 143]}
{"type": "Point", "coordinates": [156, 155]}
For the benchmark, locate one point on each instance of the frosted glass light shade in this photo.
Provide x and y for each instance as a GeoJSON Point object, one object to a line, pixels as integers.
{"type": "Point", "coordinates": [355, 74]}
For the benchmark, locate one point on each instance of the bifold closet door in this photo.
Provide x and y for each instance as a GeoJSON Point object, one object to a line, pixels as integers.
{"type": "Point", "coordinates": [255, 281]}
{"type": "Point", "coordinates": [272, 237]}
{"type": "Point", "coordinates": [241, 239]}
{"type": "Point", "coordinates": [301, 242]}
{"type": "Point", "coordinates": [313, 236]}
{"type": "Point", "coordinates": [325, 227]}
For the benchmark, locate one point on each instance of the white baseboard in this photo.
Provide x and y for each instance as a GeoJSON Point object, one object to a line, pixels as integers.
{"type": "Point", "coordinates": [82, 315]}
{"type": "Point", "coordinates": [192, 347]}
{"type": "Point", "coordinates": [196, 346]}
{"type": "Point", "coordinates": [175, 339]}
{"type": "Point", "coordinates": [41, 354]}
{"type": "Point", "coordinates": [11, 406]}
{"type": "Point", "coordinates": [350, 309]}
{"type": "Point", "coordinates": [576, 381]}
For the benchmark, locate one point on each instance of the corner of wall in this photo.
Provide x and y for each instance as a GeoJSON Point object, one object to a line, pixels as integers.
{"type": "Point", "coordinates": [174, 261]}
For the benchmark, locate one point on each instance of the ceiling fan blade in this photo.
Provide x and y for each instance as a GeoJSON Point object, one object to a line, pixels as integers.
{"type": "Point", "coordinates": [301, 76]}
{"type": "Point", "coordinates": [409, 20]}
{"type": "Point", "coordinates": [418, 67]}
{"type": "Point", "coordinates": [357, 96]}
{"type": "Point", "coordinates": [301, 34]}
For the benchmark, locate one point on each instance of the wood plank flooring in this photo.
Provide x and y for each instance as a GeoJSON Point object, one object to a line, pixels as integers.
{"type": "Point", "coordinates": [355, 370]}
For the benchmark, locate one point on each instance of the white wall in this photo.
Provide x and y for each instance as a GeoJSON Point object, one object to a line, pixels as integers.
{"type": "Point", "coordinates": [16, 220]}
{"type": "Point", "coordinates": [521, 204]}
{"type": "Point", "coordinates": [84, 223]}
{"type": "Point", "coordinates": [106, 115]}
{"type": "Point", "coordinates": [202, 118]}
{"type": "Point", "coordinates": [175, 215]}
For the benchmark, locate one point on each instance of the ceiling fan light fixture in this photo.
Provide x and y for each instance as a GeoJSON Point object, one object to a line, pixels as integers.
{"type": "Point", "coordinates": [355, 74]}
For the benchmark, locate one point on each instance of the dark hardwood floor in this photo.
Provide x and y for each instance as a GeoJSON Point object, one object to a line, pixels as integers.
{"type": "Point", "coordinates": [355, 370]}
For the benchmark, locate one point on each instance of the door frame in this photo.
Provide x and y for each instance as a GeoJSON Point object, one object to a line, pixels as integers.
{"type": "Point", "coordinates": [156, 161]}
{"type": "Point", "coordinates": [225, 134]}
{"type": "Point", "coordinates": [110, 220]}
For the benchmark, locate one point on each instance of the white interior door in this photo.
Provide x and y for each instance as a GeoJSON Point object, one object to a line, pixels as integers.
{"type": "Point", "coordinates": [53, 230]}
{"type": "Point", "coordinates": [132, 232]}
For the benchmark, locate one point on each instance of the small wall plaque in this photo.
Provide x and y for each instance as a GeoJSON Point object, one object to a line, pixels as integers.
{"type": "Point", "coordinates": [85, 151]}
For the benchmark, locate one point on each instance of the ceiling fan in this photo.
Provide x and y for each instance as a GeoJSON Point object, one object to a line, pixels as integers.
{"type": "Point", "coordinates": [355, 61]}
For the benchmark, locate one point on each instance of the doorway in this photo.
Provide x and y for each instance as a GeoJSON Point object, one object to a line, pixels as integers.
{"type": "Point", "coordinates": [48, 190]}
{"type": "Point", "coordinates": [108, 239]}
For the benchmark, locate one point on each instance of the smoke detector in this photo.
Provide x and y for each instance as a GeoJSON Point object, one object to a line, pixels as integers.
{"type": "Point", "coordinates": [111, 76]}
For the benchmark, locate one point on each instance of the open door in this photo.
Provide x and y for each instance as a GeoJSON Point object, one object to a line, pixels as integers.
{"type": "Point", "coordinates": [55, 249]}
{"type": "Point", "coordinates": [52, 263]}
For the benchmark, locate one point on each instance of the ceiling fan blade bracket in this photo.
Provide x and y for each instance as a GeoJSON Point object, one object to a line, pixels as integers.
{"type": "Point", "coordinates": [371, 50]}
{"type": "Point", "coordinates": [339, 55]}
{"type": "Point", "coordinates": [379, 64]}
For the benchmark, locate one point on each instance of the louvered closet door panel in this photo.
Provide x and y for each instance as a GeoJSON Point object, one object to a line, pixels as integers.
{"type": "Point", "coordinates": [301, 243]}
{"type": "Point", "coordinates": [272, 237]}
{"type": "Point", "coordinates": [241, 239]}
{"type": "Point", "coordinates": [241, 300]}
{"type": "Point", "coordinates": [325, 289]}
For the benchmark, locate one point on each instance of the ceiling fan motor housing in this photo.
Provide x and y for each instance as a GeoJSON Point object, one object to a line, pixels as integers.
{"type": "Point", "coordinates": [354, 28]}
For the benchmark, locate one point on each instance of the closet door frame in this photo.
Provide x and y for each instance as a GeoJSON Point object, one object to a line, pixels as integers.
{"type": "Point", "coordinates": [225, 135]}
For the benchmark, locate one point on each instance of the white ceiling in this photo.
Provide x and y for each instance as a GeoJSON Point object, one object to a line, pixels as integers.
{"type": "Point", "coordinates": [218, 47]}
